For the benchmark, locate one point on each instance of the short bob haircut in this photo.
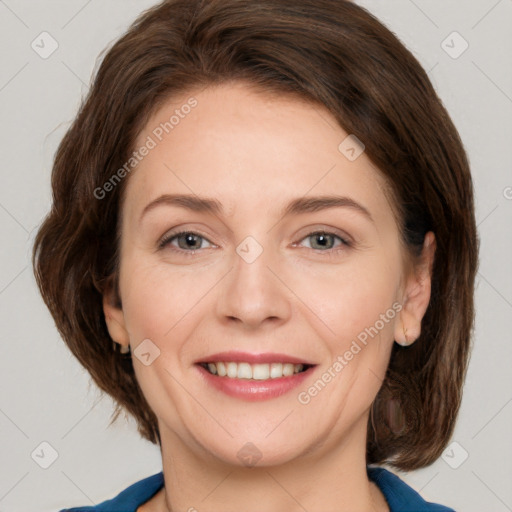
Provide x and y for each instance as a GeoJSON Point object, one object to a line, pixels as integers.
{"type": "Point", "coordinates": [334, 54]}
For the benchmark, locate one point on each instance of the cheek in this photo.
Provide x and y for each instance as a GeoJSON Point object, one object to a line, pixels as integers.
{"type": "Point", "coordinates": [146, 311]}
{"type": "Point", "coordinates": [161, 302]}
{"type": "Point", "coordinates": [349, 299]}
{"type": "Point", "coordinates": [361, 311]}
{"type": "Point", "coordinates": [161, 305]}
{"type": "Point", "coordinates": [151, 299]}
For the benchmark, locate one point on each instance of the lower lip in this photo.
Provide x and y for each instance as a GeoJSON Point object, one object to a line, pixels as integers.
{"type": "Point", "coordinates": [255, 390]}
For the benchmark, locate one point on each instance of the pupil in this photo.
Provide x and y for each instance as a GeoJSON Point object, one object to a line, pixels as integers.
{"type": "Point", "coordinates": [189, 237]}
{"type": "Point", "coordinates": [322, 236]}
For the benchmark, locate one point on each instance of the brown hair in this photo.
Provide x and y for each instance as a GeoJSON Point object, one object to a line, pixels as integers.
{"type": "Point", "coordinates": [329, 52]}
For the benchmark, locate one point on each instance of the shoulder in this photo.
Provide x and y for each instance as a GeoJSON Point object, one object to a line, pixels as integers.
{"type": "Point", "coordinates": [129, 499]}
{"type": "Point", "coordinates": [400, 496]}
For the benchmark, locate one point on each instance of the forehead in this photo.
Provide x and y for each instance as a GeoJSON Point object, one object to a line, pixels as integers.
{"type": "Point", "coordinates": [250, 150]}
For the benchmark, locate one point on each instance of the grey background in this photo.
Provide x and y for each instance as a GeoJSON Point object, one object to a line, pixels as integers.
{"type": "Point", "coordinates": [45, 395]}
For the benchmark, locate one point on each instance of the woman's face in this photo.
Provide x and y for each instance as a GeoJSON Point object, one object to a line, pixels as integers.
{"type": "Point", "coordinates": [251, 277]}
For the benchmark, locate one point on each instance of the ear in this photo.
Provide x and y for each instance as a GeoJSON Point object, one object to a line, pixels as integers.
{"type": "Point", "coordinates": [114, 316]}
{"type": "Point", "coordinates": [416, 295]}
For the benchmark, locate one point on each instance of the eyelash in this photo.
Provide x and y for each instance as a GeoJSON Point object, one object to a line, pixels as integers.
{"type": "Point", "coordinates": [329, 252]}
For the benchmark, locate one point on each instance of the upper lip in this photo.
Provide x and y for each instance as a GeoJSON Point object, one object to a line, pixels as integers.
{"type": "Point", "coordinates": [246, 357]}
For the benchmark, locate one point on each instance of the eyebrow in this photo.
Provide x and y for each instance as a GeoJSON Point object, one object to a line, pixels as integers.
{"type": "Point", "coordinates": [296, 206]}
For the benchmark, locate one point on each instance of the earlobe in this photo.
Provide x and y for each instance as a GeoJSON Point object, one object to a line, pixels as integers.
{"type": "Point", "coordinates": [416, 295]}
{"type": "Point", "coordinates": [114, 318]}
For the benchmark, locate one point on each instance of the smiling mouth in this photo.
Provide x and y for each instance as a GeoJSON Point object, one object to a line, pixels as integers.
{"type": "Point", "coordinates": [265, 371]}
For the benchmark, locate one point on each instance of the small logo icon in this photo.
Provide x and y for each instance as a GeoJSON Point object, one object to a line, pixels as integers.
{"type": "Point", "coordinates": [455, 455]}
{"type": "Point", "coordinates": [44, 45]}
{"type": "Point", "coordinates": [249, 249]}
{"type": "Point", "coordinates": [351, 147]}
{"type": "Point", "coordinates": [249, 455]}
{"type": "Point", "coordinates": [44, 455]}
{"type": "Point", "coordinates": [454, 45]}
{"type": "Point", "coordinates": [146, 352]}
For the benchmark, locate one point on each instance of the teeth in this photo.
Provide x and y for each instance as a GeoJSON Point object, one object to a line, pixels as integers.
{"type": "Point", "coordinates": [261, 372]}
{"type": "Point", "coordinates": [288, 369]}
{"type": "Point", "coordinates": [254, 371]}
{"type": "Point", "coordinates": [244, 371]}
{"type": "Point", "coordinates": [276, 370]}
{"type": "Point", "coordinates": [232, 369]}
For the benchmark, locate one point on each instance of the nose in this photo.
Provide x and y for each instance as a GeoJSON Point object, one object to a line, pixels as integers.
{"type": "Point", "coordinates": [253, 293]}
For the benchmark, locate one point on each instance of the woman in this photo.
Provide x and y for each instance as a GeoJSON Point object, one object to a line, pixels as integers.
{"type": "Point", "coordinates": [263, 247]}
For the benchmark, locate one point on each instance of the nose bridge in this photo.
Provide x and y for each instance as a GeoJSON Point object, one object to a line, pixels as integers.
{"type": "Point", "coordinates": [252, 293]}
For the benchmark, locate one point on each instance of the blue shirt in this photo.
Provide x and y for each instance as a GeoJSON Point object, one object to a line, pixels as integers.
{"type": "Point", "coordinates": [400, 497]}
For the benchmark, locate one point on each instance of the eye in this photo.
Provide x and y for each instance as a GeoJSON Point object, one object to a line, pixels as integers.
{"type": "Point", "coordinates": [188, 241]}
{"type": "Point", "coordinates": [325, 240]}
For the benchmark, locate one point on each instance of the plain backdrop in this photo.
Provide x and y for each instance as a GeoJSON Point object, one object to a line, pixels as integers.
{"type": "Point", "coordinates": [46, 396]}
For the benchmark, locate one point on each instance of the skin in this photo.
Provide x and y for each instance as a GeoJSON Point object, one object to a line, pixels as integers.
{"type": "Point", "coordinates": [254, 153]}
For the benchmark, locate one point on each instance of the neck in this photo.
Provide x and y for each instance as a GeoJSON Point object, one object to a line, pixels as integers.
{"type": "Point", "coordinates": [323, 478]}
